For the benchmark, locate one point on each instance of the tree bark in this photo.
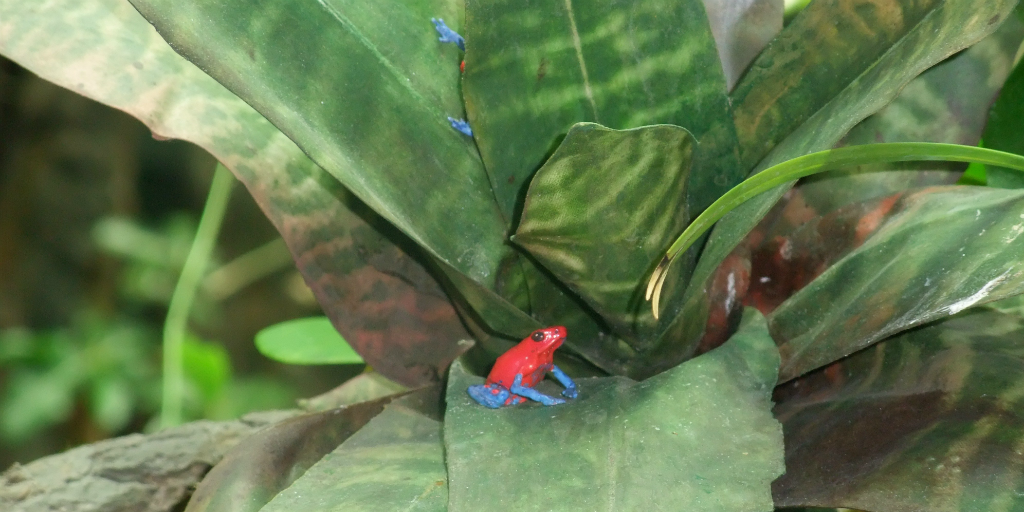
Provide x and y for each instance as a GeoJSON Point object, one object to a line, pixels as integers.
{"type": "Point", "coordinates": [135, 473]}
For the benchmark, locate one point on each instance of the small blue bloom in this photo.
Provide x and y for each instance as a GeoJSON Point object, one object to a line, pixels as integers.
{"type": "Point", "coordinates": [461, 126]}
{"type": "Point", "coordinates": [448, 35]}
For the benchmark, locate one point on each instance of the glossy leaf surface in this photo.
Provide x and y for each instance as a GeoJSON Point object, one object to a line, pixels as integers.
{"type": "Point", "coordinates": [305, 341]}
{"type": "Point", "coordinates": [1003, 131]}
{"type": "Point", "coordinates": [698, 437]}
{"type": "Point", "coordinates": [775, 102]}
{"type": "Point", "coordinates": [535, 69]}
{"type": "Point", "coordinates": [789, 248]}
{"type": "Point", "coordinates": [269, 461]}
{"type": "Point", "coordinates": [928, 420]}
{"type": "Point", "coordinates": [601, 211]}
{"type": "Point", "coordinates": [939, 251]}
{"type": "Point", "coordinates": [742, 28]}
{"type": "Point", "coordinates": [365, 89]}
{"type": "Point", "coordinates": [381, 300]}
{"type": "Point", "coordinates": [396, 462]}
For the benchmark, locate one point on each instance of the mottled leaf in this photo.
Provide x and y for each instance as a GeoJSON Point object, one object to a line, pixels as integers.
{"type": "Point", "coordinates": [836, 51]}
{"type": "Point", "coordinates": [928, 420]}
{"type": "Point", "coordinates": [788, 249]}
{"type": "Point", "coordinates": [784, 262]}
{"type": "Point", "coordinates": [535, 69]}
{"type": "Point", "coordinates": [948, 103]}
{"type": "Point", "coordinates": [396, 462]}
{"type": "Point", "coordinates": [361, 388]}
{"type": "Point", "coordinates": [381, 300]}
{"type": "Point", "coordinates": [305, 341]}
{"type": "Point", "coordinates": [601, 211]}
{"type": "Point", "coordinates": [265, 463]}
{"type": "Point", "coordinates": [742, 28]}
{"type": "Point", "coordinates": [939, 251]}
{"type": "Point", "coordinates": [1003, 131]}
{"type": "Point", "coordinates": [698, 437]}
{"type": "Point", "coordinates": [619, 64]}
{"type": "Point", "coordinates": [365, 89]}
{"type": "Point", "coordinates": [807, 89]}
{"type": "Point", "coordinates": [827, 215]}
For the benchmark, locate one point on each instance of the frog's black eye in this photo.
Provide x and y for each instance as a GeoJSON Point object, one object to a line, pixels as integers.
{"type": "Point", "coordinates": [537, 336]}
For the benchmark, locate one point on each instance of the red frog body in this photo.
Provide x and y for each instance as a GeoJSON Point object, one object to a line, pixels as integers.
{"type": "Point", "coordinates": [518, 370]}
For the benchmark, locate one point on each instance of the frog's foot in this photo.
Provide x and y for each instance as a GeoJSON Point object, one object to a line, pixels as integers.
{"type": "Point", "coordinates": [461, 125]}
{"type": "Point", "coordinates": [570, 386]}
{"type": "Point", "coordinates": [491, 395]}
{"type": "Point", "coordinates": [447, 34]}
{"type": "Point", "coordinates": [570, 392]}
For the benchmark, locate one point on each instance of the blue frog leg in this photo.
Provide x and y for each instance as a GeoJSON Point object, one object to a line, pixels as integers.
{"type": "Point", "coordinates": [518, 388]}
{"type": "Point", "coordinates": [489, 395]}
{"type": "Point", "coordinates": [447, 34]}
{"type": "Point", "coordinates": [461, 126]}
{"type": "Point", "coordinates": [570, 386]}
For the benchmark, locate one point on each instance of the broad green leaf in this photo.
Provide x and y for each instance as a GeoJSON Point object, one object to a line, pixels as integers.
{"type": "Point", "coordinates": [383, 302]}
{"type": "Point", "coordinates": [396, 462]}
{"type": "Point", "coordinates": [698, 437]}
{"type": "Point", "coordinates": [939, 251]}
{"type": "Point", "coordinates": [365, 89]}
{"type": "Point", "coordinates": [947, 103]}
{"type": "Point", "coordinates": [262, 465]}
{"type": "Point", "coordinates": [928, 420]}
{"type": "Point", "coordinates": [837, 51]}
{"type": "Point", "coordinates": [601, 211]}
{"type": "Point", "coordinates": [306, 341]}
{"type": "Point", "coordinates": [361, 388]}
{"type": "Point", "coordinates": [807, 89]}
{"type": "Point", "coordinates": [742, 28]}
{"type": "Point", "coordinates": [535, 69]}
{"type": "Point", "coordinates": [827, 215]}
{"type": "Point", "coordinates": [1003, 131]}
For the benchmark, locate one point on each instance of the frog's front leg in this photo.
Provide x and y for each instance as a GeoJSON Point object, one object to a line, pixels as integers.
{"type": "Point", "coordinates": [448, 35]}
{"type": "Point", "coordinates": [518, 388]}
{"type": "Point", "coordinates": [489, 395]}
{"type": "Point", "coordinates": [570, 386]}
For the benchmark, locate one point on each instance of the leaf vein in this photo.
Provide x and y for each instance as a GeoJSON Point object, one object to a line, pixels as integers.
{"type": "Point", "coordinates": [578, 45]}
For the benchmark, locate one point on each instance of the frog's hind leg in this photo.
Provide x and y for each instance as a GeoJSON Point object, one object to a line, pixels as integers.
{"type": "Point", "coordinates": [489, 395]}
{"type": "Point", "coordinates": [532, 394]}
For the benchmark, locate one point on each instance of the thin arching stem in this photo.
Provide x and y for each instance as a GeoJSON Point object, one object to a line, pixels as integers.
{"type": "Point", "coordinates": [815, 163]}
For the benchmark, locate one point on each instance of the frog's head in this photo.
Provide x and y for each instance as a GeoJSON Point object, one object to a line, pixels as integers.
{"type": "Point", "coordinates": [546, 340]}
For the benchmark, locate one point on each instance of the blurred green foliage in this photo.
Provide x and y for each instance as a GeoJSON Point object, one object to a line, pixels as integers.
{"type": "Point", "coordinates": [106, 367]}
{"type": "Point", "coordinates": [96, 219]}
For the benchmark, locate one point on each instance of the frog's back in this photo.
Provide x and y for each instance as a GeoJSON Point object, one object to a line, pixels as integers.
{"type": "Point", "coordinates": [520, 360]}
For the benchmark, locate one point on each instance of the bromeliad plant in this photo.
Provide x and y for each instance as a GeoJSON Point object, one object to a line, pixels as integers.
{"type": "Point", "coordinates": [599, 132]}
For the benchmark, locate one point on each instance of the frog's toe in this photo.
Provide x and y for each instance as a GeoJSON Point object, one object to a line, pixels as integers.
{"type": "Point", "coordinates": [488, 395]}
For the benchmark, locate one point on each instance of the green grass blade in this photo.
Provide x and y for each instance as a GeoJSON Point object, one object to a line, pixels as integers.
{"type": "Point", "coordinates": [184, 294]}
{"type": "Point", "coordinates": [815, 163]}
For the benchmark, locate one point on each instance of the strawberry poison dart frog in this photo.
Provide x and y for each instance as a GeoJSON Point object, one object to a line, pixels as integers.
{"type": "Point", "coordinates": [517, 371]}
